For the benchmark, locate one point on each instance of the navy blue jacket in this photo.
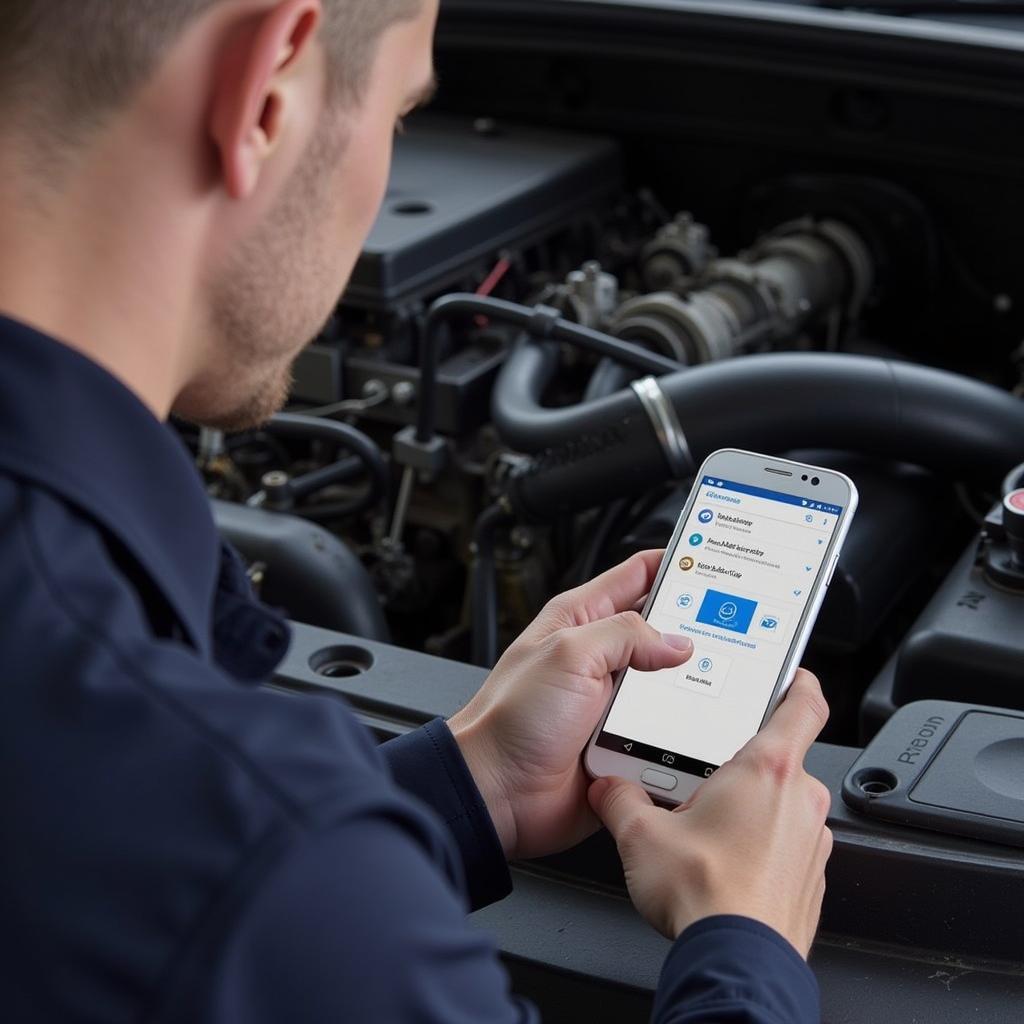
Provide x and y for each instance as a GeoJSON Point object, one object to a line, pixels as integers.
{"type": "Point", "coordinates": [180, 844]}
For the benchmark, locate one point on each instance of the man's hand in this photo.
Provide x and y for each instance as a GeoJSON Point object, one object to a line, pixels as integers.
{"type": "Point", "coordinates": [522, 735]}
{"type": "Point", "coordinates": [751, 841]}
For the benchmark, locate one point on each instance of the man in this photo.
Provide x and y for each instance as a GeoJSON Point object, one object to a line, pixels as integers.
{"type": "Point", "coordinates": [184, 188]}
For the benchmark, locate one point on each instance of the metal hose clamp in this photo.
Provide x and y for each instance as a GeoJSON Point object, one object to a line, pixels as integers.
{"type": "Point", "coordinates": [667, 427]}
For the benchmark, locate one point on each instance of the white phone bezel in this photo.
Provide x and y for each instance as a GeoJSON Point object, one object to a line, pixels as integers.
{"type": "Point", "coordinates": [739, 466]}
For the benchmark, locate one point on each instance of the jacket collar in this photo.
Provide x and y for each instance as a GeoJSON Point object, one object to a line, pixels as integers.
{"type": "Point", "coordinates": [69, 426]}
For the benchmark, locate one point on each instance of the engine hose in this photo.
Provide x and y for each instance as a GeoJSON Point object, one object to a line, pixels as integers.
{"type": "Point", "coordinates": [310, 573]}
{"type": "Point", "coordinates": [294, 425]}
{"type": "Point", "coordinates": [342, 472]}
{"type": "Point", "coordinates": [607, 378]}
{"type": "Point", "coordinates": [594, 453]}
{"type": "Point", "coordinates": [524, 424]}
{"type": "Point", "coordinates": [610, 518]}
{"type": "Point", "coordinates": [537, 321]}
{"type": "Point", "coordinates": [485, 588]}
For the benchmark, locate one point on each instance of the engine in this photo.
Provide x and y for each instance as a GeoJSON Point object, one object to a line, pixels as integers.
{"type": "Point", "coordinates": [536, 352]}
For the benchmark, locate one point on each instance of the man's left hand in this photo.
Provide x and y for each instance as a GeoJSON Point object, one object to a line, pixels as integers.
{"type": "Point", "coordinates": [522, 735]}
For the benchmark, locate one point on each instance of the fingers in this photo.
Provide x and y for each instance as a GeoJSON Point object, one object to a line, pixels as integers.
{"type": "Point", "coordinates": [603, 647]}
{"type": "Point", "coordinates": [799, 719]}
{"type": "Point", "coordinates": [616, 590]}
{"type": "Point", "coordinates": [619, 805]}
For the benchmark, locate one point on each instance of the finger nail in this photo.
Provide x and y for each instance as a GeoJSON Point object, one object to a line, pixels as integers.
{"type": "Point", "coordinates": [680, 643]}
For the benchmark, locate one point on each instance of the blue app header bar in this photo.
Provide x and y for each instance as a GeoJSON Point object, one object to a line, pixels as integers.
{"type": "Point", "coordinates": [761, 492]}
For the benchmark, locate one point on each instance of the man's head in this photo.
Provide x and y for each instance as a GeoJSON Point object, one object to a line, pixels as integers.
{"type": "Point", "coordinates": [242, 145]}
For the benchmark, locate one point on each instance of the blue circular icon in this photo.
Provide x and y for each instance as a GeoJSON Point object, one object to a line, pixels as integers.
{"type": "Point", "coordinates": [728, 611]}
{"type": "Point", "coordinates": [705, 516]}
{"type": "Point", "coordinates": [696, 540]}
{"type": "Point", "coordinates": [684, 600]}
{"type": "Point", "coordinates": [705, 664]}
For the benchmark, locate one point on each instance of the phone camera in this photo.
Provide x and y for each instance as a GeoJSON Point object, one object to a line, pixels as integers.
{"type": "Point", "coordinates": [804, 478]}
{"type": "Point", "coordinates": [815, 481]}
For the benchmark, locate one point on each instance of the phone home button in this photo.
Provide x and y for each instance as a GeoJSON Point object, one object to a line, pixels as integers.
{"type": "Point", "coordinates": [662, 780]}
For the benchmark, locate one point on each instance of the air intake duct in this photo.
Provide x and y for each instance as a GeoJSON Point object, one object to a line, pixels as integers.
{"type": "Point", "coordinates": [591, 454]}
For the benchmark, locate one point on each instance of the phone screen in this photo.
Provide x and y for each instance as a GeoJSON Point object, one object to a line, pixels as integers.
{"type": "Point", "coordinates": [738, 583]}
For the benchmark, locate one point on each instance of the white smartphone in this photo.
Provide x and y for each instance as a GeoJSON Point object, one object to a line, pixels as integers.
{"type": "Point", "coordinates": [744, 577]}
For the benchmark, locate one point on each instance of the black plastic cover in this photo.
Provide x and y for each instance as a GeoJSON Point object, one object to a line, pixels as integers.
{"type": "Point", "coordinates": [967, 645]}
{"type": "Point", "coordinates": [948, 767]}
{"type": "Point", "coordinates": [459, 194]}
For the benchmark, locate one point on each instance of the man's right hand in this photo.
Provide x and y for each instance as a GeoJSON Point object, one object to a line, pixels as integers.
{"type": "Point", "coordinates": [751, 841]}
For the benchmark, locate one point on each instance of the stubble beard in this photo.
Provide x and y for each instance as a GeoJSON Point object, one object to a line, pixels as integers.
{"type": "Point", "coordinates": [274, 298]}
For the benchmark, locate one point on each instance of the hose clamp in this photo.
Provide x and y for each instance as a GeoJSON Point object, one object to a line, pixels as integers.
{"type": "Point", "coordinates": [543, 322]}
{"type": "Point", "coordinates": [667, 428]}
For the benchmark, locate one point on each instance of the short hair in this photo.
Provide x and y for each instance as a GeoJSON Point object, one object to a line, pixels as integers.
{"type": "Point", "coordinates": [77, 61]}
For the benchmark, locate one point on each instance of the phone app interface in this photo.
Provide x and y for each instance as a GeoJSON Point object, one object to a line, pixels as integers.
{"type": "Point", "coordinates": [737, 584]}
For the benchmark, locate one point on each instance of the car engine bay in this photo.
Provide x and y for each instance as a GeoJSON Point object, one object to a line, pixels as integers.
{"type": "Point", "coordinates": [628, 235]}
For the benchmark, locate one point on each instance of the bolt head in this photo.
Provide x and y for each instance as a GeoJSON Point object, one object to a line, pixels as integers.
{"type": "Point", "coordinates": [274, 480]}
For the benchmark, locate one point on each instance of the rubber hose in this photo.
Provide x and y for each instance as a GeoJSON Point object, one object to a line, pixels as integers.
{"type": "Point", "coordinates": [450, 306]}
{"type": "Point", "coordinates": [316, 578]}
{"type": "Point", "coordinates": [485, 588]}
{"type": "Point", "coordinates": [342, 472]}
{"type": "Point", "coordinates": [294, 425]}
{"type": "Point", "coordinates": [958, 427]}
{"type": "Point", "coordinates": [607, 378]}
{"type": "Point", "coordinates": [523, 424]}
{"type": "Point", "coordinates": [595, 546]}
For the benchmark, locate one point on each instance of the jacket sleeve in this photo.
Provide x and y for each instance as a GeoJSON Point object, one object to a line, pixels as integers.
{"type": "Point", "coordinates": [428, 764]}
{"type": "Point", "coordinates": [733, 970]}
{"type": "Point", "coordinates": [358, 924]}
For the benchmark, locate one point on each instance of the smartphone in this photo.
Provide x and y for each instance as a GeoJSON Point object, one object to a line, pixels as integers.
{"type": "Point", "coordinates": [744, 577]}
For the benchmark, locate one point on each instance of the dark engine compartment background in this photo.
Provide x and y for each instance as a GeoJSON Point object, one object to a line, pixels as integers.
{"type": "Point", "coordinates": [710, 110]}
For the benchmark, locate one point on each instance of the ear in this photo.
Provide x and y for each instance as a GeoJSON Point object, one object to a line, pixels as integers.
{"type": "Point", "coordinates": [249, 109]}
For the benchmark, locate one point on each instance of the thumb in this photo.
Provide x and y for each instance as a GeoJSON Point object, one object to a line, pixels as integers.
{"type": "Point", "coordinates": [606, 645]}
{"type": "Point", "coordinates": [617, 803]}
